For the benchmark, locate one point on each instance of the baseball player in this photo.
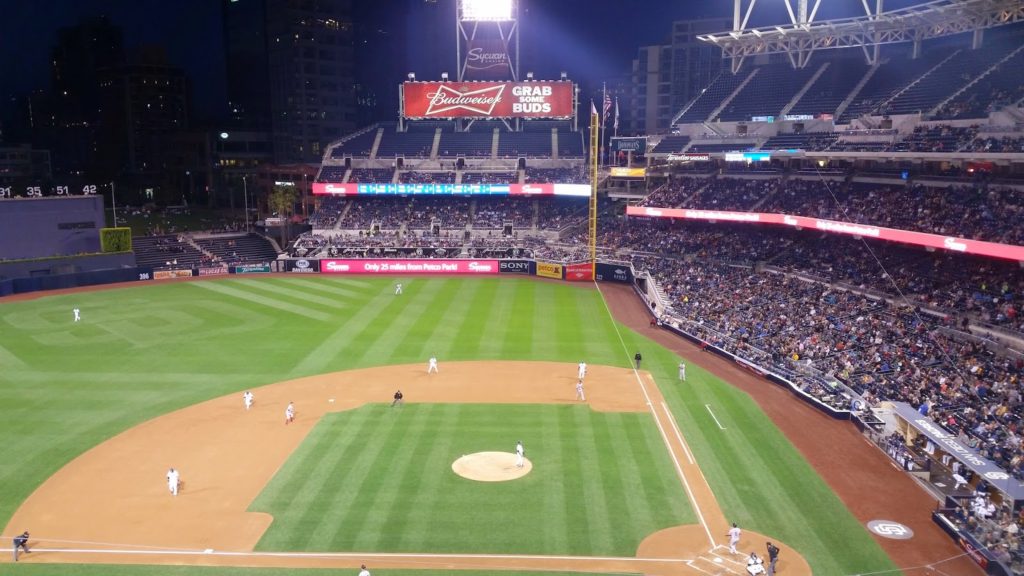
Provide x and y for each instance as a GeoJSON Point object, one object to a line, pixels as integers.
{"type": "Point", "coordinates": [363, 571]}
{"type": "Point", "coordinates": [398, 399]}
{"type": "Point", "coordinates": [22, 543]}
{"type": "Point", "coordinates": [734, 537]}
{"type": "Point", "coordinates": [172, 481]}
{"type": "Point", "coordinates": [755, 565]}
{"type": "Point", "coordinates": [398, 288]}
{"type": "Point", "coordinates": [579, 391]}
{"type": "Point", "coordinates": [248, 398]}
{"type": "Point", "coordinates": [432, 366]}
{"type": "Point", "coordinates": [519, 454]}
{"type": "Point", "coordinates": [582, 370]}
{"type": "Point", "coordinates": [78, 314]}
{"type": "Point", "coordinates": [682, 371]}
{"type": "Point", "coordinates": [289, 413]}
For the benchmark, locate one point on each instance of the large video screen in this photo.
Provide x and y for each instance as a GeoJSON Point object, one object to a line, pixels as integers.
{"type": "Point", "coordinates": [488, 99]}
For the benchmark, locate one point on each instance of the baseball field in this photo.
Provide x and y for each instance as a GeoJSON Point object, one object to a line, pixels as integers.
{"type": "Point", "coordinates": [94, 413]}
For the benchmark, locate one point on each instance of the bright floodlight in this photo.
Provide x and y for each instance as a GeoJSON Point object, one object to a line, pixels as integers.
{"type": "Point", "coordinates": [487, 10]}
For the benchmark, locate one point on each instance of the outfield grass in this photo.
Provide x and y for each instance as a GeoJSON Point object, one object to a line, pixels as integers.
{"type": "Point", "coordinates": [143, 351]}
{"type": "Point", "coordinates": [378, 479]}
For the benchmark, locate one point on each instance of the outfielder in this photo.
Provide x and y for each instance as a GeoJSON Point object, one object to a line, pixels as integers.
{"type": "Point", "coordinates": [734, 537]}
{"type": "Point", "coordinates": [289, 413]}
{"type": "Point", "coordinates": [78, 314]}
{"type": "Point", "coordinates": [248, 398]}
{"type": "Point", "coordinates": [579, 390]}
{"type": "Point", "coordinates": [682, 371]}
{"type": "Point", "coordinates": [172, 481]}
{"type": "Point", "coordinates": [582, 371]}
{"type": "Point", "coordinates": [519, 454]}
{"type": "Point", "coordinates": [398, 288]}
{"type": "Point", "coordinates": [432, 366]}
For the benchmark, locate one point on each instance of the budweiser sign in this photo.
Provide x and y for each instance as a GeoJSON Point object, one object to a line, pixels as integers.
{"type": "Point", "coordinates": [488, 99]}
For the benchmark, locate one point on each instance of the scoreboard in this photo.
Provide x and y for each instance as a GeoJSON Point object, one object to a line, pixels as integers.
{"type": "Point", "coordinates": [49, 190]}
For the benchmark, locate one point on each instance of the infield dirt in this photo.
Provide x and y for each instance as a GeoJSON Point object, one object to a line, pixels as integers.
{"type": "Point", "coordinates": [111, 504]}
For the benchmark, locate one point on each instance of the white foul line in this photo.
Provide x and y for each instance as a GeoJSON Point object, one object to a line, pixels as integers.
{"type": "Point", "coordinates": [675, 428]}
{"type": "Point", "coordinates": [708, 406]}
{"type": "Point", "coordinates": [661, 428]}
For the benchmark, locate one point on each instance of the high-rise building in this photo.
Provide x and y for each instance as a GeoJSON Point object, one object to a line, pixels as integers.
{"type": "Point", "coordinates": [667, 76]}
{"type": "Point", "coordinates": [291, 69]}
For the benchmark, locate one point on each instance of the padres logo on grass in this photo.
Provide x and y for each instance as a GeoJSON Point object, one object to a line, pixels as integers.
{"type": "Point", "coordinates": [890, 529]}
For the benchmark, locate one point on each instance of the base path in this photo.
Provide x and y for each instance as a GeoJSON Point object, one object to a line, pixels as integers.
{"type": "Point", "coordinates": [112, 505]}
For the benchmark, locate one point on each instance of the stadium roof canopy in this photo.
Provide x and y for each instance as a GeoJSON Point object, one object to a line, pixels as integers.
{"type": "Point", "coordinates": [803, 36]}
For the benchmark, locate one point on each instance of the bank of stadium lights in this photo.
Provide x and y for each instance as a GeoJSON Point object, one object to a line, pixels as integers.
{"type": "Point", "coordinates": [529, 75]}
{"type": "Point", "coordinates": [412, 76]}
{"type": "Point", "coordinates": [487, 10]}
{"type": "Point", "coordinates": [444, 76]}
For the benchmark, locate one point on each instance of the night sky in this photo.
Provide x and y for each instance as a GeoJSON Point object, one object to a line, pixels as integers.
{"type": "Point", "coordinates": [593, 40]}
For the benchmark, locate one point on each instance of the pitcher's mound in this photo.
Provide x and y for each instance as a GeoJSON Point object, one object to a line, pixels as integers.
{"type": "Point", "coordinates": [491, 467]}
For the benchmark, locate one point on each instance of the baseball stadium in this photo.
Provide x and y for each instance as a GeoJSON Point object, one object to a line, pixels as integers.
{"type": "Point", "coordinates": [783, 336]}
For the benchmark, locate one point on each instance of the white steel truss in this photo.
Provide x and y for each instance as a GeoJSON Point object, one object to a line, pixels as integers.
{"type": "Point", "coordinates": [803, 36]}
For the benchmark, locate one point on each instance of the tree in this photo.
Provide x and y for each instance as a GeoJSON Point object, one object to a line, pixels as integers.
{"type": "Point", "coordinates": [282, 202]}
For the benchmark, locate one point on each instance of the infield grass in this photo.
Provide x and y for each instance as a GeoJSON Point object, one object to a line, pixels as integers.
{"type": "Point", "coordinates": [143, 351]}
{"type": "Point", "coordinates": [379, 479]}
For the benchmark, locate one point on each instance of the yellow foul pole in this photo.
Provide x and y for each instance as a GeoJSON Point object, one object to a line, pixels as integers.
{"type": "Point", "coordinates": [594, 127]}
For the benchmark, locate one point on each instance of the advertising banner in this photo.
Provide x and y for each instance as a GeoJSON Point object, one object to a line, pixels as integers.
{"type": "Point", "coordinates": [581, 272]}
{"type": "Point", "coordinates": [628, 172]}
{"type": "Point", "coordinates": [630, 144]}
{"type": "Point", "coordinates": [980, 247]}
{"type": "Point", "coordinates": [545, 99]}
{"type": "Point", "coordinates": [419, 267]}
{"type": "Point", "coordinates": [327, 189]}
{"type": "Point", "coordinates": [614, 272]}
{"type": "Point", "coordinates": [251, 269]}
{"type": "Point", "coordinates": [487, 57]}
{"type": "Point", "coordinates": [302, 266]}
{"type": "Point", "coordinates": [212, 270]}
{"type": "Point", "coordinates": [515, 266]}
{"type": "Point", "coordinates": [168, 274]}
{"type": "Point", "coordinates": [549, 270]}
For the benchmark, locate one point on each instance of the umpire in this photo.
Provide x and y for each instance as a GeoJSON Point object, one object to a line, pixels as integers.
{"type": "Point", "coordinates": [21, 542]}
{"type": "Point", "coordinates": [773, 556]}
{"type": "Point", "coordinates": [638, 358]}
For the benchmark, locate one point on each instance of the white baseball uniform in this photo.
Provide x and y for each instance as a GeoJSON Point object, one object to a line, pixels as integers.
{"type": "Point", "coordinates": [172, 481]}
{"type": "Point", "coordinates": [398, 288]}
{"type": "Point", "coordinates": [364, 572]}
{"type": "Point", "coordinates": [289, 413]}
{"type": "Point", "coordinates": [682, 371]}
{"type": "Point", "coordinates": [248, 397]}
{"type": "Point", "coordinates": [78, 314]}
{"type": "Point", "coordinates": [432, 366]}
{"type": "Point", "coordinates": [519, 455]}
{"type": "Point", "coordinates": [579, 391]}
{"type": "Point", "coordinates": [734, 538]}
{"type": "Point", "coordinates": [582, 371]}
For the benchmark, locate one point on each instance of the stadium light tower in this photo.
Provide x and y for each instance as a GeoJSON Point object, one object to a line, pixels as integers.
{"type": "Point", "coordinates": [487, 39]}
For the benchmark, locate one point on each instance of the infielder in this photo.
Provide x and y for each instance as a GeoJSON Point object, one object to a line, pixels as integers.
{"type": "Point", "coordinates": [519, 454]}
{"type": "Point", "coordinates": [78, 314]}
{"type": "Point", "coordinates": [398, 399]}
{"type": "Point", "coordinates": [248, 398]}
{"type": "Point", "coordinates": [172, 481]}
{"type": "Point", "coordinates": [22, 543]}
{"type": "Point", "coordinates": [289, 413]}
{"type": "Point", "coordinates": [398, 288]}
{"type": "Point", "coordinates": [734, 537]}
{"type": "Point", "coordinates": [582, 371]}
{"type": "Point", "coordinates": [432, 366]}
{"type": "Point", "coordinates": [682, 371]}
{"type": "Point", "coordinates": [363, 571]}
{"type": "Point", "coordinates": [579, 390]}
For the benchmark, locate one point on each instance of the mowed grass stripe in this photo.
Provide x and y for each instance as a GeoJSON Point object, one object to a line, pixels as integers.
{"type": "Point", "coordinates": [334, 349]}
{"type": "Point", "coordinates": [403, 524]}
{"type": "Point", "coordinates": [304, 296]}
{"type": "Point", "coordinates": [556, 535]}
{"type": "Point", "coordinates": [420, 338]}
{"type": "Point", "coordinates": [516, 337]}
{"type": "Point", "coordinates": [264, 301]}
{"type": "Point", "coordinates": [325, 286]}
{"type": "Point", "coordinates": [598, 515]}
{"type": "Point", "coordinates": [377, 340]}
{"type": "Point", "coordinates": [470, 331]}
{"type": "Point", "coordinates": [568, 326]}
{"type": "Point", "coordinates": [496, 329]}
